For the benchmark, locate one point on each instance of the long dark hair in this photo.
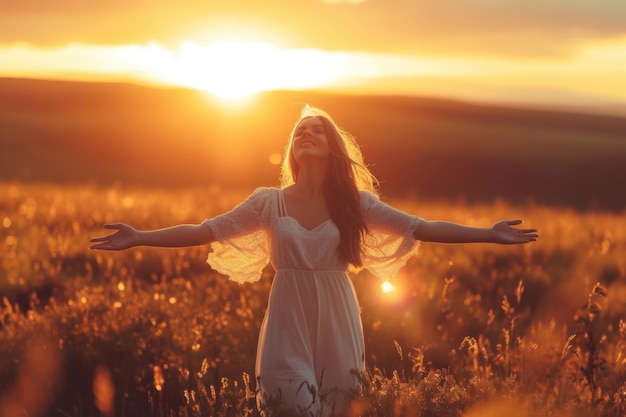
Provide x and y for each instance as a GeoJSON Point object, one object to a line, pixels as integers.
{"type": "Point", "coordinates": [346, 175]}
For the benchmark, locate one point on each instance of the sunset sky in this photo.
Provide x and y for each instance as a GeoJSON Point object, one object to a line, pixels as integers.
{"type": "Point", "coordinates": [545, 51]}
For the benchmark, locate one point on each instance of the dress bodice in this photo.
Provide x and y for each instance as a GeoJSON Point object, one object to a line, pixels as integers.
{"type": "Point", "coordinates": [259, 231]}
{"type": "Point", "coordinates": [295, 247]}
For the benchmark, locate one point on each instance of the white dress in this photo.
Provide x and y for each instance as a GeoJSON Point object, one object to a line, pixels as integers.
{"type": "Point", "coordinates": [311, 341]}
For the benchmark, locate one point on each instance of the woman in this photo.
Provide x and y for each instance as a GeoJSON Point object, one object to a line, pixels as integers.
{"type": "Point", "coordinates": [325, 218]}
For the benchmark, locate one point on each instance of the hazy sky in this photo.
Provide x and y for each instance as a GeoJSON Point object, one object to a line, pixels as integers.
{"type": "Point", "coordinates": [527, 49]}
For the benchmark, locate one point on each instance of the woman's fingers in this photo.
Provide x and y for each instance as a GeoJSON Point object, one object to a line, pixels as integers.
{"type": "Point", "coordinates": [108, 245]}
{"type": "Point", "coordinates": [103, 245]}
{"type": "Point", "coordinates": [115, 226]}
{"type": "Point", "coordinates": [529, 233]}
{"type": "Point", "coordinates": [511, 234]}
{"type": "Point", "coordinates": [104, 242]}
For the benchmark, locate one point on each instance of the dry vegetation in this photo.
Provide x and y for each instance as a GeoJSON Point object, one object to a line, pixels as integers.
{"type": "Point", "coordinates": [472, 329]}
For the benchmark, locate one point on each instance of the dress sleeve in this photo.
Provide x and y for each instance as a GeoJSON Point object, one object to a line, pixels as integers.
{"type": "Point", "coordinates": [390, 242]}
{"type": "Point", "coordinates": [241, 247]}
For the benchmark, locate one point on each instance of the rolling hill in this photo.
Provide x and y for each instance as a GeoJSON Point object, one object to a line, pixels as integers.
{"type": "Point", "coordinates": [104, 133]}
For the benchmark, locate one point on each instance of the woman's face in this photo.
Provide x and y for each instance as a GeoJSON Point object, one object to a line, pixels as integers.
{"type": "Point", "coordinates": [310, 140]}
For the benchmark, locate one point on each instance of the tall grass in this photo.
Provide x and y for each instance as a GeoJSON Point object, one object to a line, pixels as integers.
{"type": "Point", "coordinates": [471, 330]}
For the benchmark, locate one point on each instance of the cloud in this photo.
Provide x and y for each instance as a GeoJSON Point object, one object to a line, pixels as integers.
{"type": "Point", "coordinates": [484, 27]}
{"type": "Point", "coordinates": [343, 1]}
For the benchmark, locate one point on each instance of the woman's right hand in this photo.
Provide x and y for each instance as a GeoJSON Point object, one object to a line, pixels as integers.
{"type": "Point", "coordinates": [125, 237]}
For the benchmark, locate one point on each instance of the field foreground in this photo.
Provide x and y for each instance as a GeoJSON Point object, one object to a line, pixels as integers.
{"type": "Point", "coordinates": [470, 330]}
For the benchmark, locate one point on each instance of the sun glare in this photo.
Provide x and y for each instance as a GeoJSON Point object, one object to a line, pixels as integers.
{"type": "Point", "coordinates": [234, 70]}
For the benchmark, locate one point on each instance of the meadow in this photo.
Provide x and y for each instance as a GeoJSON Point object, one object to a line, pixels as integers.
{"type": "Point", "coordinates": [470, 330]}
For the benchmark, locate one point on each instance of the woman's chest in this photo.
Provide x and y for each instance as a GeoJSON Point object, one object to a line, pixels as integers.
{"type": "Point", "coordinates": [288, 230]}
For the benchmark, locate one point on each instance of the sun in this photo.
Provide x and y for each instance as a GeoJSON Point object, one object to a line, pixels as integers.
{"type": "Point", "coordinates": [233, 70]}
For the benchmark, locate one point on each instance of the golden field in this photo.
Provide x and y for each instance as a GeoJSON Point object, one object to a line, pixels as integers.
{"type": "Point", "coordinates": [471, 330]}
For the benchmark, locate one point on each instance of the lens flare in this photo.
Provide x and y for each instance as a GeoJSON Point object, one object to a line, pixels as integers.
{"type": "Point", "coordinates": [387, 287]}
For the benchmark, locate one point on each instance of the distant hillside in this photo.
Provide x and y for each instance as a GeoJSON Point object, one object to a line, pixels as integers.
{"type": "Point", "coordinates": [104, 133]}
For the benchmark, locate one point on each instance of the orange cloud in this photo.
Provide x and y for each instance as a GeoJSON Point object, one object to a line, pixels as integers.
{"type": "Point", "coordinates": [486, 27]}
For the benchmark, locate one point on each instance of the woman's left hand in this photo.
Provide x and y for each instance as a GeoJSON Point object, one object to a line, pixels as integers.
{"type": "Point", "coordinates": [504, 232]}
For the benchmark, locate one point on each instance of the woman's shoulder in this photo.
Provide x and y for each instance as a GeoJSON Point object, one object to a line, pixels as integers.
{"type": "Point", "coordinates": [263, 195]}
{"type": "Point", "coordinates": [368, 197]}
{"type": "Point", "coordinates": [265, 190]}
{"type": "Point", "coordinates": [368, 194]}
{"type": "Point", "coordinates": [261, 201]}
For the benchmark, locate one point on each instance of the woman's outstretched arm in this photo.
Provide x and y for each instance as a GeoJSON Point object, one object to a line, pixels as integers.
{"type": "Point", "coordinates": [501, 232]}
{"type": "Point", "coordinates": [172, 237]}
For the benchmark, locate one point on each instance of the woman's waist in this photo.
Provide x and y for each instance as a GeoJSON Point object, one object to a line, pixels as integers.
{"type": "Point", "coordinates": [311, 281]}
{"type": "Point", "coordinates": [307, 272]}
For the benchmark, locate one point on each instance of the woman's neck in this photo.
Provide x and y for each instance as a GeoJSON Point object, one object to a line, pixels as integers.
{"type": "Point", "coordinates": [310, 180]}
